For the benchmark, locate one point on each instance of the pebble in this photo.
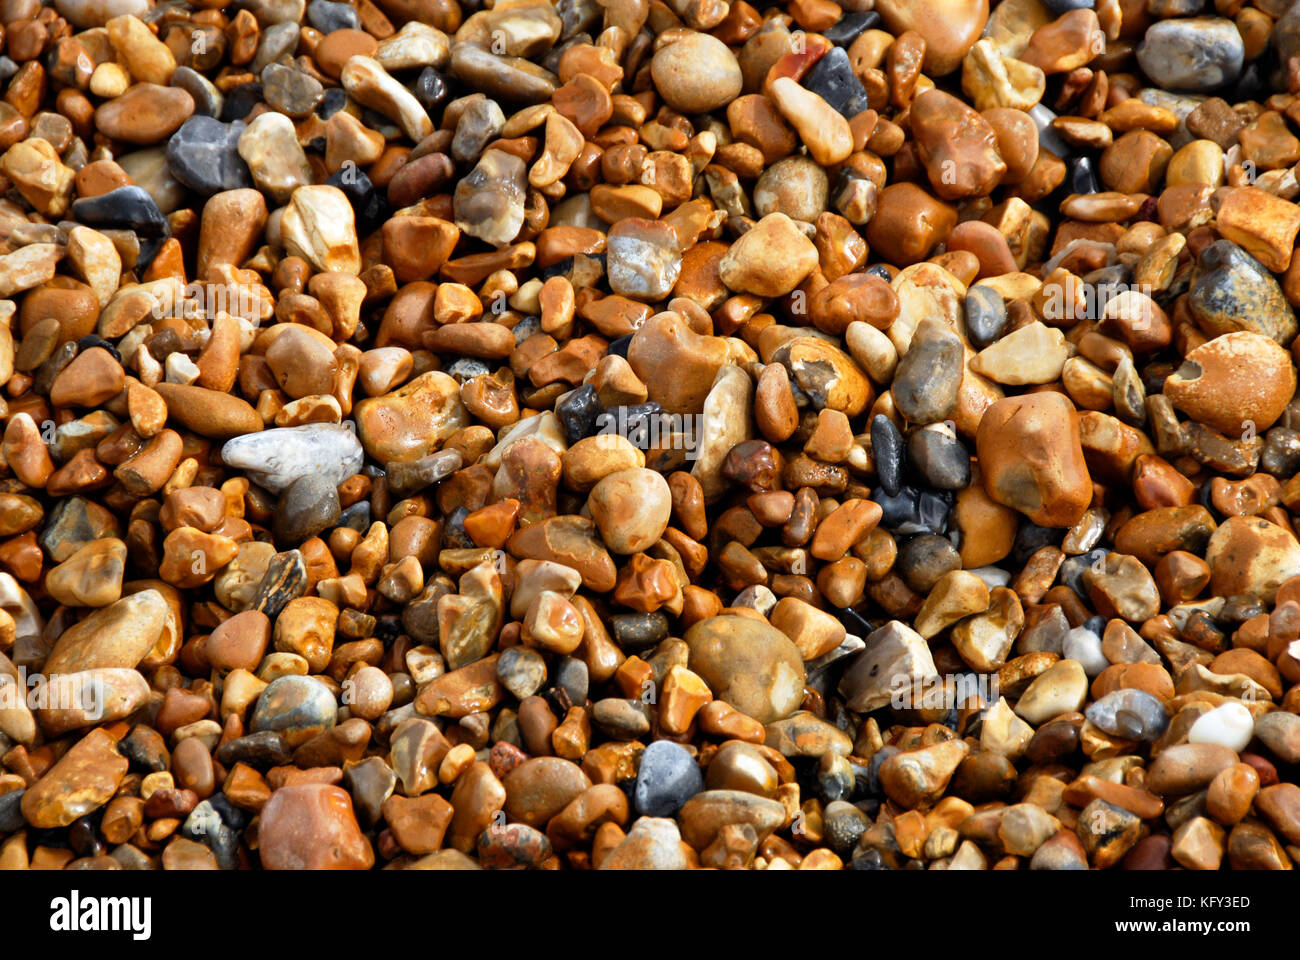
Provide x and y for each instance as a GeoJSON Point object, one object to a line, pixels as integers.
{"type": "Point", "coordinates": [1031, 458]}
{"type": "Point", "coordinates": [667, 778]}
{"type": "Point", "coordinates": [770, 259]}
{"type": "Point", "coordinates": [278, 165]}
{"type": "Point", "coordinates": [949, 27]}
{"type": "Point", "coordinates": [489, 202]}
{"type": "Point", "coordinates": [929, 375]}
{"type": "Point", "coordinates": [1249, 555]}
{"type": "Point", "coordinates": [367, 82]}
{"type": "Point", "coordinates": [1280, 732]}
{"type": "Point", "coordinates": [1129, 714]}
{"type": "Point", "coordinates": [312, 826]}
{"type": "Point", "coordinates": [118, 635]}
{"type": "Point", "coordinates": [653, 843]}
{"type": "Point", "coordinates": [297, 708]}
{"type": "Point", "coordinates": [274, 459]}
{"type": "Point", "coordinates": [1196, 54]}
{"type": "Point", "coordinates": [632, 509]}
{"type": "Point", "coordinates": [318, 225]}
{"type": "Point", "coordinates": [1061, 688]}
{"type": "Point", "coordinates": [1233, 291]}
{"type": "Point", "coordinates": [696, 73]}
{"type": "Point", "coordinates": [80, 782]}
{"type": "Point", "coordinates": [1230, 725]}
{"type": "Point", "coordinates": [986, 315]}
{"type": "Point", "coordinates": [307, 506]}
{"type": "Point", "coordinates": [750, 665]}
{"type": "Point", "coordinates": [145, 114]}
{"type": "Point", "coordinates": [1208, 387]}
{"type": "Point", "coordinates": [125, 207]}
{"type": "Point", "coordinates": [895, 651]}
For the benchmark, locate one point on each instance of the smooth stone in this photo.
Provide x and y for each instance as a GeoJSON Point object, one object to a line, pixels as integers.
{"type": "Point", "coordinates": [696, 73]}
{"type": "Point", "coordinates": [522, 671]}
{"type": "Point", "coordinates": [489, 201]}
{"type": "Point", "coordinates": [1249, 555]}
{"type": "Point", "coordinates": [119, 635]}
{"type": "Point", "coordinates": [412, 421]}
{"type": "Point", "coordinates": [93, 697]}
{"type": "Point", "coordinates": [832, 78]}
{"type": "Point", "coordinates": [895, 660]}
{"type": "Point", "coordinates": [312, 826]}
{"type": "Point", "coordinates": [749, 664]}
{"type": "Point", "coordinates": [1031, 458]}
{"type": "Point", "coordinates": [91, 577]}
{"type": "Point", "coordinates": [914, 777]}
{"type": "Point", "coordinates": [950, 28]}
{"type": "Point", "coordinates": [939, 458]}
{"type": "Point", "coordinates": [1061, 688]}
{"type": "Point", "coordinates": [308, 505]}
{"type": "Point", "coordinates": [295, 707]}
{"type": "Point", "coordinates": [631, 508]}
{"type": "Point", "coordinates": [1231, 290]}
{"type": "Point", "coordinates": [707, 812]}
{"type": "Point", "coordinates": [667, 778]}
{"type": "Point", "coordinates": [274, 459]}
{"type": "Point", "coordinates": [127, 207]}
{"type": "Point", "coordinates": [1195, 55]}
{"type": "Point", "coordinates": [1129, 714]}
{"type": "Point", "coordinates": [1230, 725]}
{"type": "Point", "coordinates": [653, 843]}
{"type": "Point", "coordinates": [1280, 732]}
{"type": "Point", "coordinates": [1084, 647]}
{"type": "Point", "coordinates": [887, 449]}
{"type": "Point", "coordinates": [330, 15]}
{"type": "Point", "coordinates": [929, 375]}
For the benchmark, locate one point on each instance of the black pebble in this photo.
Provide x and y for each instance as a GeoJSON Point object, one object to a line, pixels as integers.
{"type": "Point", "coordinates": [1081, 175]}
{"type": "Point", "coordinates": [986, 315]}
{"type": "Point", "coordinates": [887, 451]}
{"type": "Point", "coordinates": [578, 412]}
{"type": "Point", "coordinates": [850, 27]}
{"type": "Point", "coordinates": [430, 89]}
{"type": "Point", "coordinates": [128, 208]}
{"type": "Point", "coordinates": [832, 79]}
{"type": "Point", "coordinates": [334, 100]}
{"type": "Point", "coordinates": [240, 101]}
{"type": "Point", "coordinates": [368, 204]}
{"type": "Point", "coordinates": [940, 459]}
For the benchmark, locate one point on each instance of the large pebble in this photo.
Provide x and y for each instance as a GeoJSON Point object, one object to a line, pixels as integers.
{"type": "Point", "coordinates": [312, 826]}
{"type": "Point", "coordinates": [749, 664]}
{"type": "Point", "coordinates": [631, 508]}
{"type": "Point", "coordinates": [696, 73]}
{"type": "Point", "coordinates": [1193, 54]}
{"type": "Point", "coordinates": [276, 458]}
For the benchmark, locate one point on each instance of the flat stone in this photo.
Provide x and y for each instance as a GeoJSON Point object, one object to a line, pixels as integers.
{"type": "Point", "coordinates": [83, 779]}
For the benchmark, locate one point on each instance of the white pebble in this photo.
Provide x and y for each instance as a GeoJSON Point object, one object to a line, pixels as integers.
{"type": "Point", "coordinates": [993, 577]}
{"type": "Point", "coordinates": [275, 458]}
{"type": "Point", "coordinates": [181, 369]}
{"type": "Point", "coordinates": [1083, 645]}
{"type": "Point", "coordinates": [1229, 724]}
